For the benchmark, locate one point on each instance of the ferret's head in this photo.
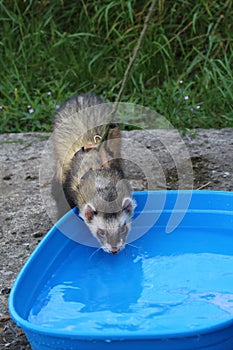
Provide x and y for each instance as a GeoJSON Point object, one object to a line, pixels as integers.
{"type": "Point", "coordinates": [110, 229]}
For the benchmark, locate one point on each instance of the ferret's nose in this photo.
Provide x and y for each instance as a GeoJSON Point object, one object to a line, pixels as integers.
{"type": "Point", "coordinates": [115, 250]}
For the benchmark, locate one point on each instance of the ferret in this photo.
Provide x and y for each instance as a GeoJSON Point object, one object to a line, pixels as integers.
{"type": "Point", "coordinates": [89, 173]}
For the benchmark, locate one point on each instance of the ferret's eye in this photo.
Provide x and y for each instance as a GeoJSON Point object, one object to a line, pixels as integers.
{"type": "Point", "coordinates": [101, 233]}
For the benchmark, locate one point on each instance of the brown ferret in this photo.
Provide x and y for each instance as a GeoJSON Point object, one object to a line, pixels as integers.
{"type": "Point", "coordinates": [89, 173]}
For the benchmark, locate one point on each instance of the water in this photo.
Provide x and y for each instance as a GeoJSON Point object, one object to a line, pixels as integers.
{"type": "Point", "coordinates": [137, 292]}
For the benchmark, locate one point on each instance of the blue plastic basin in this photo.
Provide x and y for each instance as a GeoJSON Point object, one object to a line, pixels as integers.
{"type": "Point", "coordinates": [165, 290]}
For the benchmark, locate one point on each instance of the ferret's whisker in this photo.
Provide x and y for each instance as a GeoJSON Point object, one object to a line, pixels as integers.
{"type": "Point", "coordinates": [132, 245]}
{"type": "Point", "coordinates": [95, 252]}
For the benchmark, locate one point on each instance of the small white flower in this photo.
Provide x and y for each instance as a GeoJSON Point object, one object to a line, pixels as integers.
{"type": "Point", "coordinates": [186, 98]}
{"type": "Point", "coordinates": [1, 107]}
{"type": "Point", "coordinates": [198, 107]}
{"type": "Point", "coordinates": [191, 109]}
{"type": "Point", "coordinates": [49, 93]}
{"type": "Point", "coordinates": [31, 110]}
{"type": "Point", "coordinates": [181, 81]}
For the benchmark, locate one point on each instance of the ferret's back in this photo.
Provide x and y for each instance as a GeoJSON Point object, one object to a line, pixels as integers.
{"type": "Point", "coordinates": [77, 122]}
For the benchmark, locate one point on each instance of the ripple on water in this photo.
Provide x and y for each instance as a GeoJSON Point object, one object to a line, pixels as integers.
{"type": "Point", "coordinates": [150, 294]}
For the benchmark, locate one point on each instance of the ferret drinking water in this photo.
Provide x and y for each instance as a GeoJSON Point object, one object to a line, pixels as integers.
{"type": "Point", "coordinates": [89, 173]}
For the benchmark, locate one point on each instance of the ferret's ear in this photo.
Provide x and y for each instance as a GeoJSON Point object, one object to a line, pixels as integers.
{"type": "Point", "coordinates": [128, 205]}
{"type": "Point", "coordinates": [89, 212]}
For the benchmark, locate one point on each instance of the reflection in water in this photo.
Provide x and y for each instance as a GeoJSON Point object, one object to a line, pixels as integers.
{"type": "Point", "coordinates": [135, 291]}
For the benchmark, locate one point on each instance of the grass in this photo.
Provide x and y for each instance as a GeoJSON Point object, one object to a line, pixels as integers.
{"type": "Point", "coordinates": [51, 50]}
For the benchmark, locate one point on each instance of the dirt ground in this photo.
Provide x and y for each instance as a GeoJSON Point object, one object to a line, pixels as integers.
{"type": "Point", "coordinates": [154, 160]}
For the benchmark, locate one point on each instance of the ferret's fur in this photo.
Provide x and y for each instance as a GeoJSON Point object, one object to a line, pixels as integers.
{"type": "Point", "coordinates": [89, 171]}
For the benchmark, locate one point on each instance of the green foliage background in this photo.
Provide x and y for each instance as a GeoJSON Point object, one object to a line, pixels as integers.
{"type": "Point", "coordinates": [53, 49]}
